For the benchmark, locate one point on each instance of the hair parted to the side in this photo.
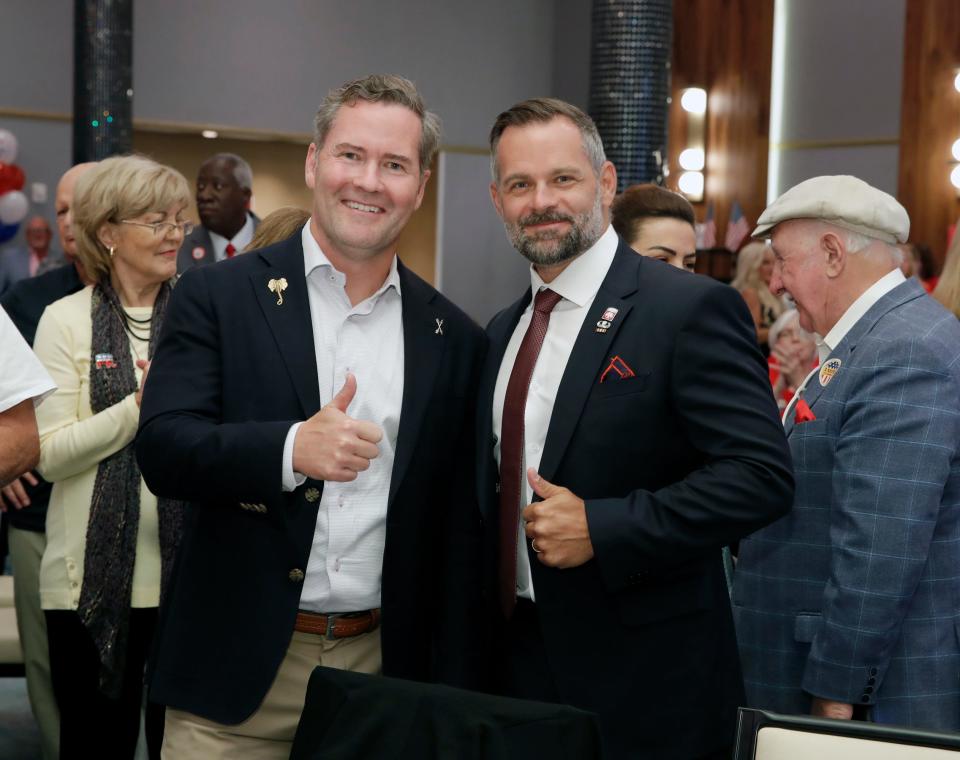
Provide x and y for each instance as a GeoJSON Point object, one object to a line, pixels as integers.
{"type": "Point", "coordinates": [242, 173]}
{"type": "Point", "coordinates": [542, 110]}
{"type": "Point", "coordinates": [381, 88]}
{"type": "Point", "coordinates": [641, 202]}
{"type": "Point", "coordinates": [117, 188]}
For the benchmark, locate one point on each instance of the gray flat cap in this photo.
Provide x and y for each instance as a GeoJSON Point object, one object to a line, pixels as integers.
{"type": "Point", "coordinates": [842, 200]}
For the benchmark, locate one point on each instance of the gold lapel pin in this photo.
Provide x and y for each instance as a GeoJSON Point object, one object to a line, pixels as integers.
{"type": "Point", "coordinates": [278, 286]}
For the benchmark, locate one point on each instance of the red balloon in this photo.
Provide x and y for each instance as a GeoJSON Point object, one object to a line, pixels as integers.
{"type": "Point", "coordinates": [11, 178]}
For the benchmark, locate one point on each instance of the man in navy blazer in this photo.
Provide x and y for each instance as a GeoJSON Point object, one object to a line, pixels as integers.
{"type": "Point", "coordinates": [644, 440]}
{"type": "Point", "coordinates": [313, 401]}
{"type": "Point", "coordinates": [850, 605]}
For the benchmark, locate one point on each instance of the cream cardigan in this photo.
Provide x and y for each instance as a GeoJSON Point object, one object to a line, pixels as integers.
{"type": "Point", "coordinates": [73, 441]}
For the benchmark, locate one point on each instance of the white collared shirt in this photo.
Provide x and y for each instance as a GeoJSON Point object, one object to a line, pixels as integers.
{"type": "Point", "coordinates": [853, 314]}
{"type": "Point", "coordinates": [578, 285]}
{"type": "Point", "coordinates": [346, 560]}
{"type": "Point", "coordinates": [240, 241]}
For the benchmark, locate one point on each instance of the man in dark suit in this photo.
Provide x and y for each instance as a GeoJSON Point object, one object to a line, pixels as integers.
{"type": "Point", "coordinates": [25, 302]}
{"type": "Point", "coordinates": [627, 432]}
{"type": "Point", "coordinates": [314, 402]}
{"type": "Point", "coordinates": [224, 189]}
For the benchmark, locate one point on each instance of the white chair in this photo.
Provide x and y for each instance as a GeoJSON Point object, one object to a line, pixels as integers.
{"type": "Point", "coordinates": [769, 736]}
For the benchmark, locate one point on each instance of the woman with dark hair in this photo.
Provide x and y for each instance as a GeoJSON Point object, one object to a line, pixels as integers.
{"type": "Point", "coordinates": [658, 223]}
{"type": "Point", "coordinates": [110, 542]}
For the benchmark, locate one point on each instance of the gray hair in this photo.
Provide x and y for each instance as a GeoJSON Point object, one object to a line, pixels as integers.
{"type": "Point", "coordinates": [381, 88]}
{"type": "Point", "coordinates": [242, 173]}
{"type": "Point", "coordinates": [542, 110]}
{"type": "Point", "coordinates": [858, 243]}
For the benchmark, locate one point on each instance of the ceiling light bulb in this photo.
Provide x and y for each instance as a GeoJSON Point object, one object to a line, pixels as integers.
{"type": "Point", "coordinates": [694, 100]}
{"type": "Point", "coordinates": [692, 159]}
{"type": "Point", "coordinates": [691, 185]}
{"type": "Point", "coordinates": [956, 150]}
{"type": "Point", "coordinates": [956, 82]}
{"type": "Point", "coordinates": [955, 177]}
{"type": "Point", "coordinates": [210, 134]}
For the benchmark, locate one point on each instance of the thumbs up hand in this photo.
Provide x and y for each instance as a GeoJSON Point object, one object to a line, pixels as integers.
{"type": "Point", "coordinates": [557, 525]}
{"type": "Point", "coordinates": [331, 445]}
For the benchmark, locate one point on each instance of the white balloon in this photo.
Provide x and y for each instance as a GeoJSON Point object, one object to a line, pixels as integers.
{"type": "Point", "coordinates": [8, 146]}
{"type": "Point", "coordinates": [13, 207]}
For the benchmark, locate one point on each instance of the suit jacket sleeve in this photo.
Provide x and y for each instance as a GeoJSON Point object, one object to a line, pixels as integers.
{"type": "Point", "coordinates": [725, 407]}
{"type": "Point", "coordinates": [184, 447]}
{"type": "Point", "coordinates": [898, 435]}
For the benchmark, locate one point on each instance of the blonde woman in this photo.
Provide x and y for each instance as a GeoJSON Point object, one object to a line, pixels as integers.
{"type": "Point", "coordinates": [754, 270]}
{"type": "Point", "coordinates": [109, 540]}
{"type": "Point", "coordinates": [947, 291]}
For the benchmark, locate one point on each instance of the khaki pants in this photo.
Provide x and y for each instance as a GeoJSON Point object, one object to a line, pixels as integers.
{"type": "Point", "coordinates": [26, 549]}
{"type": "Point", "coordinates": [269, 732]}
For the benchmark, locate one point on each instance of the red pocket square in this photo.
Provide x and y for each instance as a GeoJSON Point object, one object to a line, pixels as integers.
{"type": "Point", "coordinates": [803, 413]}
{"type": "Point", "coordinates": [619, 367]}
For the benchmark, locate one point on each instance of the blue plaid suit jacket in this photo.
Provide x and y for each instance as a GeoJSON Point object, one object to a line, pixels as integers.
{"type": "Point", "coordinates": [854, 596]}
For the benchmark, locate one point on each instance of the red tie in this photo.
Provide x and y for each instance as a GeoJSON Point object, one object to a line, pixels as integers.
{"type": "Point", "coordinates": [511, 445]}
{"type": "Point", "coordinates": [231, 249]}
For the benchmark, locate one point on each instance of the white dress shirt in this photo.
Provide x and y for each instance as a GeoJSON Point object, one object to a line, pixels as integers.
{"type": "Point", "coordinates": [346, 561]}
{"type": "Point", "coordinates": [853, 314]}
{"type": "Point", "coordinates": [240, 241]}
{"type": "Point", "coordinates": [578, 285]}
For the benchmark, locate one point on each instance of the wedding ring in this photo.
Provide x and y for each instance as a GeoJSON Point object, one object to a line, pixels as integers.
{"type": "Point", "coordinates": [533, 545]}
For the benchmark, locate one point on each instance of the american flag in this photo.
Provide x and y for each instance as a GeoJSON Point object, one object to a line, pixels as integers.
{"type": "Point", "coordinates": [737, 228]}
{"type": "Point", "coordinates": [707, 231]}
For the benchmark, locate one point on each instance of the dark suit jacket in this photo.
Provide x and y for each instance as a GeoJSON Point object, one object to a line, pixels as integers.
{"type": "Point", "coordinates": [197, 247]}
{"type": "Point", "coordinates": [679, 460]}
{"type": "Point", "coordinates": [352, 715]}
{"type": "Point", "coordinates": [25, 302]}
{"type": "Point", "coordinates": [15, 266]}
{"type": "Point", "coordinates": [232, 372]}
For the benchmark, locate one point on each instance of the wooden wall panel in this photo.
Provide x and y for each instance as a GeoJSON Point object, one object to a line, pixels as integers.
{"type": "Point", "coordinates": [725, 46]}
{"type": "Point", "coordinates": [929, 120]}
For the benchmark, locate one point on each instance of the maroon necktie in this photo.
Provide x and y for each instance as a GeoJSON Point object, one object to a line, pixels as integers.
{"type": "Point", "coordinates": [231, 249]}
{"type": "Point", "coordinates": [511, 445]}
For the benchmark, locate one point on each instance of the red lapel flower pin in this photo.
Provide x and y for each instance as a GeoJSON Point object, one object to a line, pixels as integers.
{"type": "Point", "coordinates": [803, 413]}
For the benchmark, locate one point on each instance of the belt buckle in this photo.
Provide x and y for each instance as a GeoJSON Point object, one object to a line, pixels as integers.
{"type": "Point", "coordinates": [331, 621]}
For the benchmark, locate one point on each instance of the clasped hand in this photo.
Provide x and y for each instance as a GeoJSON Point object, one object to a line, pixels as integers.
{"type": "Point", "coordinates": [331, 445]}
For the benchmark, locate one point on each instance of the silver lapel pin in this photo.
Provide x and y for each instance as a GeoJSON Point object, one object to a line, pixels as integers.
{"type": "Point", "coordinates": [439, 330]}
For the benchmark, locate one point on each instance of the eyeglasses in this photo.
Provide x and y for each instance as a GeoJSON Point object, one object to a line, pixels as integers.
{"type": "Point", "coordinates": [162, 229]}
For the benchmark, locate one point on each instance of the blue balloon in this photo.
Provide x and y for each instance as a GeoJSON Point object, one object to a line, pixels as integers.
{"type": "Point", "coordinates": [7, 231]}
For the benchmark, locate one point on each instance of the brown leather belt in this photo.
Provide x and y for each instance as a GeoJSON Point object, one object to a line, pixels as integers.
{"type": "Point", "coordinates": [339, 626]}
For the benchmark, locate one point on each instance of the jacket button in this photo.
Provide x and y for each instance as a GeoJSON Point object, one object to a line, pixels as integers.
{"type": "Point", "coordinates": [864, 699]}
{"type": "Point", "coordinates": [311, 495]}
{"type": "Point", "coordinates": [873, 671]}
{"type": "Point", "coordinates": [296, 575]}
{"type": "Point", "coordinates": [871, 681]}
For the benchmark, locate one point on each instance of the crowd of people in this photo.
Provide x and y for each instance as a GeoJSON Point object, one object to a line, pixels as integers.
{"type": "Point", "coordinates": [242, 449]}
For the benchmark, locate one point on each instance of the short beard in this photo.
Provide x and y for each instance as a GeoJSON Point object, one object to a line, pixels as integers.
{"type": "Point", "coordinates": [585, 230]}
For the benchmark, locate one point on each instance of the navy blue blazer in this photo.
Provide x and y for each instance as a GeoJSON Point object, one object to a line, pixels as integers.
{"type": "Point", "coordinates": [232, 372]}
{"type": "Point", "coordinates": [855, 595]}
{"type": "Point", "coordinates": [674, 463]}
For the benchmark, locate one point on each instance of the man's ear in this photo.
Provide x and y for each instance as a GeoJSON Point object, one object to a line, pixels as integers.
{"type": "Point", "coordinates": [608, 183]}
{"type": "Point", "coordinates": [495, 197]}
{"type": "Point", "coordinates": [310, 166]}
{"type": "Point", "coordinates": [834, 253]}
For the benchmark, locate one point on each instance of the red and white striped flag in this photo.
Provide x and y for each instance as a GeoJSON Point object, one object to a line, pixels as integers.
{"type": "Point", "coordinates": [737, 228]}
{"type": "Point", "coordinates": [707, 231]}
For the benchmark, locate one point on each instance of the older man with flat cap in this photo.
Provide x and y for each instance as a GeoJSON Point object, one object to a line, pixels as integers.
{"type": "Point", "coordinates": [850, 605]}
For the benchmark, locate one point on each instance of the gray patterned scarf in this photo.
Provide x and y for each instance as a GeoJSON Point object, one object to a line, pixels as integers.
{"type": "Point", "coordinates": [111, 544]}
